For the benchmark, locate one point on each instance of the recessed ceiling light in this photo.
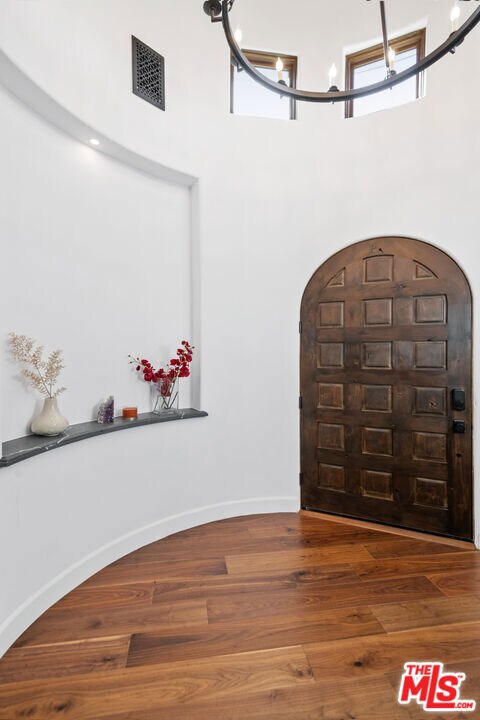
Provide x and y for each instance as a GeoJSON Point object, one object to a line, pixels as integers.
{"type": "Point", "coordinates": [94, 141]}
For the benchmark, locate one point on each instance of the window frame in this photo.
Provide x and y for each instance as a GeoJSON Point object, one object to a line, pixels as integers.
{"type": "Point", "coordinates": [261, 59]}
{"type": "Point", "coordinates": [413, 40]}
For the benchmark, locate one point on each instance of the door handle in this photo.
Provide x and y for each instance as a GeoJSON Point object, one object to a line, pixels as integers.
{"type": "Point", "coordinates": [459, 427]}
{"type": "Point", "coordinates": [458, 399]}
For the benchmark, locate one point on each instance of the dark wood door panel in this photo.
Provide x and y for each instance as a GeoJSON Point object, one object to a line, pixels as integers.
{"type": "Point", "coordinates": [400, 514]}
{"type": "Point", "coordinates": [434, 422]}
{"type": "Point", "coordinates": [386, 338]}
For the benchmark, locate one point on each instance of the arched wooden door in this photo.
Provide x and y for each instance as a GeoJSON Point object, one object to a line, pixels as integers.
{"type": "Point", "coordinates": [386, 420]}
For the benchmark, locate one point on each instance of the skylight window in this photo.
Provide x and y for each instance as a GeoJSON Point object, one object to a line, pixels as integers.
{"type": "Point", "coordinates": [250, 98]}
{"type": "Point", "coordinates": [368, 66]}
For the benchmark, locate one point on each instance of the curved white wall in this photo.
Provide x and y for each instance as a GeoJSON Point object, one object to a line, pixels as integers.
{"type": "Point", "coordinates": [274, 200]}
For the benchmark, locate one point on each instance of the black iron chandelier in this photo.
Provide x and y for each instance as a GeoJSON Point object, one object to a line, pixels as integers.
{"type": "Point", "coordinates": [218, 11]}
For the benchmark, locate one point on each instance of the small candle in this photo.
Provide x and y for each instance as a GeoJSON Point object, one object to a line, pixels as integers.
{"type": "Point", "coordinates": [391, 59]}
{"type": "Point", "coordinates": [454, 17]}
{"type": "Point", "coordinates": [130, 413]}
{"type": "Point", "coordinates": [279, 67]}
{"type": "Point", "coordinates": [332, 75]}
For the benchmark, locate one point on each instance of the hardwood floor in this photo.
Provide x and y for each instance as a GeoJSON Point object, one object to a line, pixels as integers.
{"type": "Point", "coordinates": [295, 617]}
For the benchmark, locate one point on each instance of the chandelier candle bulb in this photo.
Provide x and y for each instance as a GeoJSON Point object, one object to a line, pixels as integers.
{"type": "Point", "coordinates": [130, 413]}
{"type": "Point", "coordinates": [391, 59]}
{"type": "Point", "coordinates": [332, 75]}
{"type": "Point", "coordinates": [279, 67]}
{"type": "Point", "coordinates": [455, 17]}
{"type": "Point", "coordinates": [238, 35]}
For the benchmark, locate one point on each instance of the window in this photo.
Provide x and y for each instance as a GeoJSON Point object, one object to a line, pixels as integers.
{"type": "Point", "coordinates": [247, 97]}
{"type": "Point", "coordinates": [368, 66]}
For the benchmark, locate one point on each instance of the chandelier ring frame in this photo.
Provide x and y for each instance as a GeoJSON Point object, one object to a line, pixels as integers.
{"type": "Point", "coordinates": [212, 8]}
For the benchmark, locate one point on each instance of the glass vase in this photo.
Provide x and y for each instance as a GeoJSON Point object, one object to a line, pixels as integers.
{"type": "Point", "coordinates": [165, 397]}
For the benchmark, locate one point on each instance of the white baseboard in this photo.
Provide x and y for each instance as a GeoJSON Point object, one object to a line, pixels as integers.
{"type": "Point", "coordinates": [16, 623]}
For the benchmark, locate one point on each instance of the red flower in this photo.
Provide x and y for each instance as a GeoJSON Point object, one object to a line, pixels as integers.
{"type": "Point", "coordinates": [167, 375]}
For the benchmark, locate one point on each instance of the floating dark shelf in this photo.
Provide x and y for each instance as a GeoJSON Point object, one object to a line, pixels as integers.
{"type": "Point", "coordinates": [15, 451]}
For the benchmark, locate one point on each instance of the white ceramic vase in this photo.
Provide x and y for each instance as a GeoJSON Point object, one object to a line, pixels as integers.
{"type": "Point", "coordinates": [50, 421]}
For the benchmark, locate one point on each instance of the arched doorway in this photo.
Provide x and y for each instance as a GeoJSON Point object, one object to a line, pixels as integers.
{"type": "Point", "coordinates": [386, 372]}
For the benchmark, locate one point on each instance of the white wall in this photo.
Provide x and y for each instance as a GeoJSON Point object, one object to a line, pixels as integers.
{"type": "Point", "coordinates": [97, 261]}
{"type": "Point", "coordinates": [274, 200]}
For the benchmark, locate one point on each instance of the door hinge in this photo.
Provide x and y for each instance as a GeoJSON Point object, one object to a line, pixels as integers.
{"type": "Point", "coordinates": [300, 403]}
{"type": "Point", "coordinates": [301, 478]}
{"type": "Point", "coordinates": [300, 327]}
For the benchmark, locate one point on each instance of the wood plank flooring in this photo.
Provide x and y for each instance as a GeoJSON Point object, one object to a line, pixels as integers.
{"type": "Point", "coordinates": [289, 616]}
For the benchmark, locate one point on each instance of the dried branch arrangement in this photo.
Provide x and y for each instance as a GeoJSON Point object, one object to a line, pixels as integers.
{"type": "Point", "coordinates": [42, 374]}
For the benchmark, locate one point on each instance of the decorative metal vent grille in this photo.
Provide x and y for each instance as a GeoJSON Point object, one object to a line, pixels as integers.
{"type": "Point", "coordinates": [148, 74]}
